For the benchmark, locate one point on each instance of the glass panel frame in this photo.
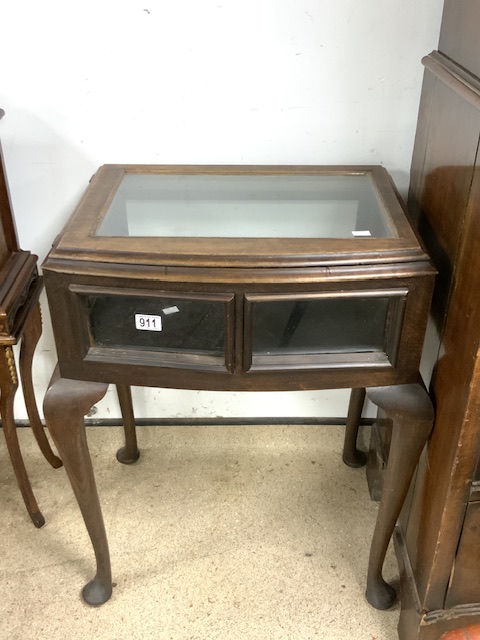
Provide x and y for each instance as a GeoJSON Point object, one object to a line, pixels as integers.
{"type": "Point", "coordinates": [167, 356]}
{"type": "Point", "coordinates": [247, 206]}
{"type": "Point", "coordinates": [80, 240]}
{"type": "Point", "coordinates": [305, 359]}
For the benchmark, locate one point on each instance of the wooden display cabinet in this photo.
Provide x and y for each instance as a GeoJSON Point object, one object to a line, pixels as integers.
{"type": "Point", "coordinates": [239, 279]}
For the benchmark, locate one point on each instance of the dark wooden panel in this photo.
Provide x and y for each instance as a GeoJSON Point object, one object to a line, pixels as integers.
{"type": "Point", "coordinates": [435, 524]}
{"type": "Point", "coordinates": [459, 38]}
{"type": "Point", "coordinates": [445, 190]}
{"type": "Point", "coordinates": [465, 585]}
{"type": "Point", "coordinates": [442, 172]}
{"type": "Point", "coordinates": [438, 546]}
{"type": "Point", "coordinates": [8, 236]}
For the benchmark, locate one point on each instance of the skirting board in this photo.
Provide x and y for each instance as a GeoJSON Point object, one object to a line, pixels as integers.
{"type": "Point", "coordinates": [170, 422]}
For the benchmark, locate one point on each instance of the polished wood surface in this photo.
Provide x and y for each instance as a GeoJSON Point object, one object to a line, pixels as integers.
{"type": "Point", "coordinates": [456, 324]}
{"type": "Point", "coordinates": [351, 455]}
{"type": "Point", "coordinates": [129, 453]}
{"type": "Point", "coordinates": [73, 399]}
{"type": "Point", "coordinates": [411, 411]}
{"type": "Point", "coordinates": [438, 542]}
{"type": "Point", "coordinates": [471, 632]}
{"type": "Point", "coordinates": [8, 236]}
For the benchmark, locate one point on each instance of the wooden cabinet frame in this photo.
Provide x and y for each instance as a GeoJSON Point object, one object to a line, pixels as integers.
{"type": "Point", "coordinates": [237, 272]}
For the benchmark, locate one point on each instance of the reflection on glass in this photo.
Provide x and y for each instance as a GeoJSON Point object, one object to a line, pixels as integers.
{"type": "Point", "coordinates": [320, 326]}
{"type": "Point", "coordinates": [157, 324]}
{"type": "Point", "coordinates": [226, 206]}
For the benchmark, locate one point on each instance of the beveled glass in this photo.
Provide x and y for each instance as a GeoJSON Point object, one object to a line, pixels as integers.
{"type": "Point", "coordinates": [247, 206]}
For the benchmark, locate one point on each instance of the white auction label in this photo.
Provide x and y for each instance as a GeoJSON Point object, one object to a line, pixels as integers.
{"type": "Point", "coordinates": [361, 234]}
{"type": "Point", "coordinates": [169, 310]}
{"type": "Point", "coordinates": [148, 323]}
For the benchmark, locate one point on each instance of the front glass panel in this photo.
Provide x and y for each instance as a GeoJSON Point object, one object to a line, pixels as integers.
{"type": "Point", "coordinates": [323, 326]}
{"type": "Point", "coordinates": [157, 324]}
{"type": "Point", "coordinates": [247, 206]}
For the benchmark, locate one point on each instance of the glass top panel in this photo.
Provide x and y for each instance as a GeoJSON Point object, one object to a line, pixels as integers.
{"type": "Point", "coordinates": [247, 206]}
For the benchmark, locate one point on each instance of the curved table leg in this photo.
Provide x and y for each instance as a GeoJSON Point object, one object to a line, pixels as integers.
{"type": "Point", "coordinates": [410, 409]}
{"type": "Point", "coordinates": [129, 453]}
{"type": "Point", "coordinates": [8, 388]}
{"type": "Point", "coordinates": [31, 335]}
{"type": "Point", "coordinates": [66, 403]}
{"type": "Point", "coordinates": [351, 455]}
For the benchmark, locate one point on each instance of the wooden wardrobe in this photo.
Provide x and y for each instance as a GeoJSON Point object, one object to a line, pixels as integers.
{"type": "Point", "coordinates": [438, 538]}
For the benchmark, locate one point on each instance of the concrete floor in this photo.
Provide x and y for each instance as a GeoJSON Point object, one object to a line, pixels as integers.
{"type": "Point", "coordinates": [216, 532]}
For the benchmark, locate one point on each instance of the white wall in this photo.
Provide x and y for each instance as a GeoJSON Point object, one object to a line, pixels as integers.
{"type": "Point", "coordinates": [202, 81]}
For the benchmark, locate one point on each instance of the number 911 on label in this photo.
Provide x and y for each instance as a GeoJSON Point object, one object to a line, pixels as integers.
{"type": "Point", "coordinates": [148, 323]}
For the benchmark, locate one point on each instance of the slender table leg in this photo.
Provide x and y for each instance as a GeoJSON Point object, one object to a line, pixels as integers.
{"type": "Point", "coordinates": [8, 388]}
{"type": "Point", "coordinates": [65, 405]}
{"type": "Point", "coordinates": [411, 411]}
{"type": "Point", "coordinates": [351, 455]}
{"type": "Point", "coordinates": [31, 335]}
{"type": "Point", "coordinates": [129, 453]}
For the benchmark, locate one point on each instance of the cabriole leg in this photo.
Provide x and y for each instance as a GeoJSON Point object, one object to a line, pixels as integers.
{"type": "Point", "coordinates": [31, 335]}
{"type": "Point", "coordinates": [410, 409]}
{"type": "Point", "coordinates": [66, 403]}
{"type": "Point", "coordinates": [8, 388]}
{"type": "Point", "coordinates": [129, 453]}
{"type": "Point", "coordinates": [351, 455]}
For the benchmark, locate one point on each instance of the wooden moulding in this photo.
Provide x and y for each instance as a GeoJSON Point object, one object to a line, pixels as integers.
{"type": "Point", "coordinates": [454, 76]}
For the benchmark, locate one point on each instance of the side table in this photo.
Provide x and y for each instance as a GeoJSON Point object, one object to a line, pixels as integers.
{"type": "Point", "coordinates": [20, 319]}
